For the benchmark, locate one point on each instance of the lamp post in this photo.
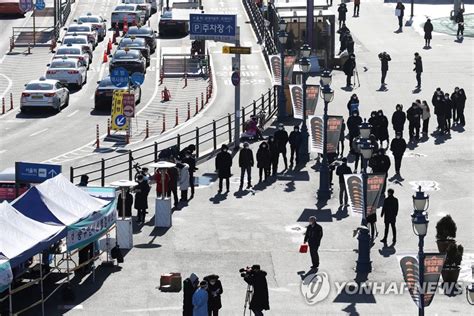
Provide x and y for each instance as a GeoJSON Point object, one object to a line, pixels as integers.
{"type": "Point", "coordinates": [412, 5]}
{"type": "Point", "coordinates": [419, 219]}
{"type": "Point", "coordinates": [305, 66]}
{"type": "Point", "coordinates": [282, 38]}
{"type": "Point", "coordinates": [327, 93]}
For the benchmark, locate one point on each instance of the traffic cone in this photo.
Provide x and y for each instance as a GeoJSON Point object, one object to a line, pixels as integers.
{"type": "Point", "coordinates": [125, 28]}
{"type": "Point", "coordinates": [109, 46]}
{"type": "Point", "coordinates": [106, 57]}
{"type": "Point", "coordinates": [117, 30]}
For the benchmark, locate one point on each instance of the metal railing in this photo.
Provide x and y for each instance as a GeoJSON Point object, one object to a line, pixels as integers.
{"type": "Point", "coordinates": [207, 140]}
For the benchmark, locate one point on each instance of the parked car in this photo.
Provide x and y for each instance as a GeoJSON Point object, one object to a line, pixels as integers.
{"type": "Point", "coordinates": [144, 32]}
{"type": "Point", "coordinates": [49, 93]}
{"type": "Point", "coordinates": [97, 22]}
{"type": "Point", "coordinates": [127, 12]}
{"type": "Point", "coordinates": [68, 71]}
{"type": "Point", "coordinates": [83, 29]}
{"type": "Point", "coordinates": [105, 90]}
{"type": "Point", "coordinates": [131, 60]}
{"type": "Point", "coordinates": [142, 5]}
{"type": "Point", "coordinates": [136, 44]}
{"type": "Point", "coordinates": [73, 51]}
{"type": "Point", "coordinates": [75, 39]}
{"type": "Point", "coordinates": [10, 7]}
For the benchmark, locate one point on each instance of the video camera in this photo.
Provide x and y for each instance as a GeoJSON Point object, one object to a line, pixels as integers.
{"type": "Point", "coordinates": [249, 270]}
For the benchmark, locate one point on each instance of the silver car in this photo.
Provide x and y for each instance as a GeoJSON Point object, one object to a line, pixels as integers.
{"type": "Point", "coordinates": [97, 22]}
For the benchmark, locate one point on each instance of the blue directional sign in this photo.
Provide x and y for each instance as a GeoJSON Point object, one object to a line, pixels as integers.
{"type": "Point", "coordinates": [119, 77]}
{"type": "Point", "coordinates": [137, 78]}
{"type": "Point", "coordinates": [35, 172]}
{"type": "Point", "coordinates": [40, 5]}
{"type": "Point", "coordinates": [235, 78]}
{"type": "Point", "coordinates": [218, 27]}
{"type": "Point", "coordinates": [26, 5]}
{"type": "Point", "coordinates": [120, 120]}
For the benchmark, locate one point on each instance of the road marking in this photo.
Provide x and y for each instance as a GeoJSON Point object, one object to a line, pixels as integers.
{"type": "Point", "coordinates": [2, 151]}
{"type": "Point", "coordinates": [39, 132]}
{"type": "Point", "coordinates": [14, 121]}
{"type": "Point", "coordinates": [8, 87]}
{"type": "Point", "coordinates": [101, 76]}
{"type": "Point", "coordinates": [73, 113]}
{"type": "Point", "coordinates": [3, 58]}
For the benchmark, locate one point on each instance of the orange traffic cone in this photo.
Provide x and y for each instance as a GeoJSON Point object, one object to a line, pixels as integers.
{"type": "Point", "coordinates": [125, 28]}
{"type": "Point", "coordinates": [109, 46]}
{"type": "Point", "coordinates": [106, 57]}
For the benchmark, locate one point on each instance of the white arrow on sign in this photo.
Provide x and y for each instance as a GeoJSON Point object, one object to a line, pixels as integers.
{"type": "Point", "coordinates": [120, 120]}
{"type": "Point", "coordinates": [52, 173]}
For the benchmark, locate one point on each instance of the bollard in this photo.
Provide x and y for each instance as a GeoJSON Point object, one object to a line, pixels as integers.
{"type": "Point", "coordinates": [105, 58]}
{"type": "Point", "coordinates": [207, 94]}
{"type": "Point", "coordinates": [108, 127]}
{"type": "Point", "coordinates": [185, 80]}
{"type": "Point", "coordinates": [3, 105]}
{"type": "Point", "coordinates": [109, 46]}
{"type": "Point", "coordinates": [29, 48]}
{"type": "Point", "coordinates": [164, 123]}
{"type": "Point", "coordinates": [127, 136]}
{"type": "Point", "coordinates": [147, 130]}
{"type": "Point", "coordinates": [114, 38]}
{"type": "Point", "coordinates": [12, 44]}
{"type": "Point", "coordinates": [97, 136]}
{"type": "Point", "coordinates": [162, 75]}
{"type": "Point", "coordinates": [11, 101]}
{"type": "Point", "coordinates": [197, 106]}
{"type": "Point", "coordinates": [189, 111]}
{"type": "Point", "coordinates": [202, 100]}
{"type": "Point", "coordinates": [177, 120]}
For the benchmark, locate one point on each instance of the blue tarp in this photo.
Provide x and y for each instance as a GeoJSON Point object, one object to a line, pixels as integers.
{"type": "Point", "coordinates": [31, 205]}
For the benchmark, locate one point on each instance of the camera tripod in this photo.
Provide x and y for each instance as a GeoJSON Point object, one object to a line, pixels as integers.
{"type": "Point", "coordinates": [248, 297]}
{"type": "Point", "coordinates": [356, 77]}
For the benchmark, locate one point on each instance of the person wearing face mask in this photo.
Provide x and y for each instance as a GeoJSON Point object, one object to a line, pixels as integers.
{"type": "Point", "coordinates": [295, 143]}
{"type": "Point", "coordinates": [374, 122]}
{"type": "Point", "coordinates": [263, 161]}
{"type": "Point", "coordinates": [425, 117]}
{"type": "Point", "coordinates": [223, 165]}
{"type": "Point", "coordinates": [459, 100]}
{"type": "Point", "coordinates": [353, 123]}
{"type": "Point", "coordinates": [190, 160]}
{"type": "Point", "coordinates": [273, 147]}
{"type": "Point", "coordinates": [413, 115]}
{"type": "Point", "coordinates": [246, 163]}
{"type": "Point", "coordinates": [448, 108]}
{"type": "Point", "coordinates": [382, 128]}
{"type": "Point", "coordinates": [190, 286]}
{"type": "Point", "coordinates": [200, 300]}
{"type": "Point", "coordinates": [353, 104]}
{"type": "Point", "coordinates": [141, 197]}
{"type": "Point", "coordinates": [341, 171]}
{"type": "Point", "coordinates": [214, 291]}
{"type": "Point", "coordinates": [281, 138]}
{"type": "Point", "coordinates": [313, 236]}
{"type": "Point", "coordinates": [348, 69]}
{"type": "Point", "coordinates": [398, 119]}
{"type": "Point", "coordinates": [398, 147]}
{"type": "Point", "coordinates": [342, 137]}
{"type": "Point", "coordinates": [383, 167]}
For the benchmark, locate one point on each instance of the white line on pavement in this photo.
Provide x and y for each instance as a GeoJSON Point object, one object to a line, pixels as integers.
{"type": "Point", "coordinates": [39, 132]}
{"type": "Point", "coordinates": [73, 113]}
{"type": "Point", "coordinates": [8, 86]}
{"type": "Point", "coordinates": [2, 151]}
{"type": "Point", "coordinates": [3, 58]}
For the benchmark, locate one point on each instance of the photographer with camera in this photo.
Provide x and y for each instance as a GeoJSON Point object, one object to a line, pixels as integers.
{"type": "Point", "coordinates": [384, 59]}
{"type": "Point", "coordinates": [257, 278]}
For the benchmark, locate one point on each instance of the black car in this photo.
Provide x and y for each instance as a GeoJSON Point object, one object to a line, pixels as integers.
{"type": "Point", "coordinates": [136, 44]}
{"type": "Point", "coordinates": [105, 90]}
{"type": "Point", "coordinates": [144, 32]}
{"type": "Point", "coordinates": [131, 60]}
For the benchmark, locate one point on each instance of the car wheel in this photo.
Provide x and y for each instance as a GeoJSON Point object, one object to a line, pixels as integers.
{"type": "Point", "coordinates": [58, 106]}
{"type": "Point", "coordinates": [66, 103]}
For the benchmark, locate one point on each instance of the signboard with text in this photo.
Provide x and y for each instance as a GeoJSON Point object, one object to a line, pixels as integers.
{"type": "Point", "coordinates": [128, 101]}
{"type": "Point", "coordinates": [27, 172]}
{"type": "Point", "coordinates": [236, 50]}
{"type": "Point", "coordinates": [217, 27]}
{"type": "Point", "coordinates": [119, 121]}
{"type": "Point", "coordinates": [333, 133]}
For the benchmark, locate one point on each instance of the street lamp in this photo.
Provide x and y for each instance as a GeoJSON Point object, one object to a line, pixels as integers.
{"type": "Point", "coordinates": [305, 50]}
{"type": "Point", "coordinates": [305, 66]}
{"type": "Point", "coordinates": [326, 78]}
{"type": "Point", "coordinates": [419, 219]}
{"type": "Point", "coordinates": [282, 38]}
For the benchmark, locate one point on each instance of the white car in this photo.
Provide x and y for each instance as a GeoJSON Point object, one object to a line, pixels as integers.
{"type": "Point", "coordinates": [143, 5]}
{"type": "Point", "coordinates": [68, 71]}
{"type": "Point", "coordinates": [44, 93]}
{"type": "Point", "coordinates": [83, 29]}
{"type": "Point", "coordinates": [75, 39]}
{"type": "Point", "coordinates": [73, 51]}
{"type": "Point", "coordinates": [129, 12]}
{"type": "Point", "coordinates": [97, 22]}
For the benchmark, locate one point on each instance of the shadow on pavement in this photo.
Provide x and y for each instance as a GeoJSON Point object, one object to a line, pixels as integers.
{"type": "Point", "coordinates": [387, 251]}
{"type": "Point", "coordinates": [342, 212]}
{"type": "Point", "coordinates": [216, 199]}
{"type": "Point", "coordinates": [322, 215]}
{"type": "Point", "coordinates": [355, 293]}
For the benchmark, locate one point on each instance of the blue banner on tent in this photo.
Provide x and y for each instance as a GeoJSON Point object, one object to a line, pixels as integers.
{"type": "Point", "coordinates": [6, 275]}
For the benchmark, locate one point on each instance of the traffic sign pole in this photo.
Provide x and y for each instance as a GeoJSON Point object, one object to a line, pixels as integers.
{"type": "Point", "coordinates": [237, 94]}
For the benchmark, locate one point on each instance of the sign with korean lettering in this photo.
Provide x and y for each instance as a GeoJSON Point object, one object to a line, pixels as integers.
{"type": "Point", "coordinates": [333, 133]}
{"type": "Point", "coordinates": [119, 121]}
{"type": "Point", "coordinates": [119, 77]}
{"type": "Point", "coordinates": [316, 132]}
{"type": "Point", "coordinates": [218, 27]}
{"type": "Point", "coordinates": [128, 101]}
{"type": "Point", "coordinates": [91, 228]}
{"type": "Point", "coordinates": [374, 191]}
{"type": "Point", "coordinates": [27, 172]}
{"type": "Point", "coordinates": [434, 263]}
{"type": "Point", "coordinates": [275, 68]}
{"type": "Point", "coordinates": [410, 272]}
{"type": "Point", "coordinates": [296, 94]}
{"type": "Point", "coordinates": [355, 192]}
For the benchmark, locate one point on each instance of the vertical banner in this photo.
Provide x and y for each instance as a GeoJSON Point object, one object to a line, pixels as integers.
{"type": "Point", "coordinates": [275, 67]}
{"type": "Point", "coordinates": [374, 191]}
{"type": "Point", "coordinates": [296, 92]}
{"type": "Point", "coordinates": [410, 271]}
{"type": "Point", "coordinates": [128, 103]}
{"type": "Point", "coordinates": [355, 192]}
{"type": "Point", "coordinates": [312, 93]}
{"type": "Point", "coordinates": [434, 263]}
{"type": "Point", "coordinates": [315, 124]}
{"type": "Point", "coordinates": [288, 68]}
{"type": "Point", "coordinates": [119, 121]}
{"type": "Point", "coordinates": [333, 133]}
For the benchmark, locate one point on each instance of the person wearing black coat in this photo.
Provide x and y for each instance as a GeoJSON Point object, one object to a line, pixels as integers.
{"type": "Point", "coordinates": [341, 171]}
{"type": "Point", "coordinates": [342, 10]}
{"type": "Point", "coordinates": [418, 69]}
{"type": "Point", "coordinates": [246, 163]}
{"type": "Point", "coordinates": [448, 108]}
{"type": "Point", "coordinates": [383, 167]}
{"type": "Point", "coordinates": [264, 160]}
{"type": "Point", "coordinates": [398, 147]}
{"type": "Point", "coordinates": [390, 210]}
{"type": "Point", "coordinates": [460, 21]}
{"type": "Point", "coordinates": [400, 7]}
{"type": "Point", "coordinates": [398, 119]}
{"type": "Point", "coordinates": [223, 165]}
{"type": "Point", "coordinates": [382, 128]}
{"type": "Point", "coordinates": [342, 137]}
{"type": "Point", "coordinates": [128, 204]}
{"type": "Point", "coordinates": [189, 287]}
{"type": "Point", "coordinates": [439, 109]}
{"type": "Point", "coordinates": [258, 280]}
{"type": "Point", "coordinates": [371, 220]}
{"type": "Point", "coordinates": [190, 160]}
{"type": "Point", "coordinates": [353, 123]}
{"type": "Point", "coordinates": [344, 32]}
{"type": "Point", "coordinates": [214, 290]}
{"type": "Point", "coordinates": [313, 236]}
{"type": "Point", "coordinates": [295, 142]}
{"type": "Point", "coordinates": [173, 173]}
{"type": "Point", "coordinates": [459, 100]}
{"type": "Point", "coordinates": [141, 198]}
{"type": "Point", "coordinates": [414, 114]}
{"type": "Point", "coordinates": [273, 147]}
{"type": "Point", "coordinates": [281, 138]}
{"type": "Point", "coordinates": [348, 69]}
{"type": "Point", "coordinates": [374, 122]}
{"type": "Point", "coordinates": [428, 28]}
{"type": "Point", "coordinates": [384, 59]}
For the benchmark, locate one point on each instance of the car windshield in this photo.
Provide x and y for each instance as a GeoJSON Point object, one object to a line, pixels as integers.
{"type": "Point", "coordinates": [135, 1]}
{"type": "Point", "coordinates": [105, 82]}
{"type": "Point", "coordinates": [130, 44]}
{"type": "Point", "coordinates": [69, 51]}
{"type": "Point", "coordinates": [141, 30]}
{"type": "Point", "coordinates": [89, 19]}
{"type": "Point", "coordinates": [125, 8]}
{"type": "Point", "coordinates": [75, 40]}
{"type": "Point", "coordinates": [79, 29]}
{"type": "Point", "coordinates": [39, 86]}
{"type": "Point", "coordinates": [126, 55]}
{"type": "Point", "coordinates": [63, 64]}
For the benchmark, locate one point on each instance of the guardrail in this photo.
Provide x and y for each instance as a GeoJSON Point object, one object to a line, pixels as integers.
{"type": "Point", "coordinates": [213, 134]}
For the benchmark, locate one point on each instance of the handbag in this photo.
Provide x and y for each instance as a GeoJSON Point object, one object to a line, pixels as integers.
{"type": "Point", "coordinates": [398, 12]}
{"type": "Point", "coordinates": [303, 248]}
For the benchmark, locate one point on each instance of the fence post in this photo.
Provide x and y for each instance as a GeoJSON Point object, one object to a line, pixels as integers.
{"type": "Point", "coordinates": [275, 97]}
{"type": "Point", "coordinates": [243, 119]}
{"type": "Point", "coordinates": [178, 141]}
{"type": "Point", "coordinates": [197, 106]}
{"type": "Point", "coordinates": [108, 127]}
{"type": "Point", "coordinates": [164, 123]}
{"type": "Point", "coordinates": [189, 111]}
{"type": "Point", "coordinates": [71, 174]}
{"type": "Point", "coordinates": [11, 101]}
{"type": "Point", "coordinates": [130, 165]}
{"type": "Point", "coordinates": [229, 127]}
{"type": "Point", "coordinates": [202, 100]}
{"type": "Point", "coordinates": [254, 106]}
{"type": "Point", "coordinates": [177, 120]}
{"type": "Point", "coordinates": [197, 142]}
{"type": "Point", "coordinates": [155, 151]}
{"type": "Point", "coordinates": [97, 136]}
{"type": "Point", "coordinates": [269, 100]}
{"type": "Point", "coordinates": [102, 172]}
{"type": "Point", "coordinates": [214, 134]}
{"type": "Point", "coordinates": [263, 101]}
{"type": "Point", "coordinates": [147, 129]}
